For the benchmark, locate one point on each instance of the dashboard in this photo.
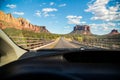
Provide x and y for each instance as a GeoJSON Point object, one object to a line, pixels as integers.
{"type": "Point", "coordinates": [64, 64]}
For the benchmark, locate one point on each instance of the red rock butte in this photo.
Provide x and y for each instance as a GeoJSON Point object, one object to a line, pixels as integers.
{"type": "Point", "coordinates": [114, 31]}
{"type": "Point", "coordinates": [8, 21]}
{"type": "Point", "coordinates": [81, 29]}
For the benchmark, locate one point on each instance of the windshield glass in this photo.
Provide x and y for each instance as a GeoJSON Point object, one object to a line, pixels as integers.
{"type": "Point", "coordinates": [49, 24]}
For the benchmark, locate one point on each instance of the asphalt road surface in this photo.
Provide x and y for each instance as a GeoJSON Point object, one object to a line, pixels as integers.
{"type": "Point", "coordinates": [62, 43]}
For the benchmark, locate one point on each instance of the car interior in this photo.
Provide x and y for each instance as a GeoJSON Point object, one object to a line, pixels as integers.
{"type": "Point", "coordinates": [59, 39]}
{"type": "Point", "coordinates": [60, 64]}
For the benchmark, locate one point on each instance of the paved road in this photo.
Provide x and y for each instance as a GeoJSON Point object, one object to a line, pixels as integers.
{"type": "Point", "coordinates": [62, 43]}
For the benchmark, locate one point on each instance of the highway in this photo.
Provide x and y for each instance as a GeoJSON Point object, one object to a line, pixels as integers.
{"type": "Point", "coordinates": [62, 43]}
{"type": "Point", "coordinates": [59, 44]}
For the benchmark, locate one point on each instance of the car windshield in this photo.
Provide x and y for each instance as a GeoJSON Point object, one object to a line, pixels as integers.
{"type": "Point", "coordinates": [49, 24]}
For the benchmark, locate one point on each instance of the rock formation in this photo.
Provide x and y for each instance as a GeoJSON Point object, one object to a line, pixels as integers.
{"type": "Point", "coordinates": [81, 29]}
{"type": "Point", "coordinates": [114, 31]}
{"type": "Point", "coordinates": [8, 21]}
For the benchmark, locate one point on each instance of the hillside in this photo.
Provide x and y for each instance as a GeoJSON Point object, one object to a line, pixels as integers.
{"type": "Point", "coordinates": [8, 21]}
{"type": "Point", "coordinates": [81, 29]}
{"type": "Point", "coordinates": [114, 32]}
{"type": "Point", "coordinates": [83, 35]}
{"type": "Point", "coordinates": [25, 34]}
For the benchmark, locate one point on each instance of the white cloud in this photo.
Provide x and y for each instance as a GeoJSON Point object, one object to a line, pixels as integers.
{"type": "Point", "coordinates": [104, 26]}
{"type": "Point", "coordinates": [52, 3]}
{"type": "Point", "coordinates": [111, 24]}
{"type": "Point", "coordinates": [11, 6]}
{"type": "Point", "coordinates": [62, 5]}
{"type": "Point", "coordinates": [108, 24]}
{"type": "Point", "coordinates": [19, 13]}
{"type": "Point", "coordinates": [38, 13]}
{"type": "Point", "coordinates": [46, 11]}
{"type": "Point", "coordinates": [73, 19]}
{"type": "Point", "coordinates": [101, 11]}
{"type": "Point", "coordinates": [83, 22]}
{"type": "Point", "coordinates": [46, 15]}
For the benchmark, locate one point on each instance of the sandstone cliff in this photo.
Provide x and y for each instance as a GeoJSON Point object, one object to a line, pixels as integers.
{"type": "Point", "coordinates": [113, 32]}
{"type": "Point", "coordinates": [8, 21]}
{"type": "Point", "coordinates": [81, 29]}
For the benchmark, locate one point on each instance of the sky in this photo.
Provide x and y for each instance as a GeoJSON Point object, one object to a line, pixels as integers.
{"type": "Point", "coordinates": [60, 16]}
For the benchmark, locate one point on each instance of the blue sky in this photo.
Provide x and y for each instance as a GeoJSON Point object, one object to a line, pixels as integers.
{"type": "Point", "coordinates": [60, 16]}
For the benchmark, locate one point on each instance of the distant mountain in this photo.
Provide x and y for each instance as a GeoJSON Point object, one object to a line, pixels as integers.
{"type": "Point", "coordinates": [8, 21]}
{"type": "Point", "coordinates": [113, 32]}
{"type": "Point", "coordinates": [81, 29]}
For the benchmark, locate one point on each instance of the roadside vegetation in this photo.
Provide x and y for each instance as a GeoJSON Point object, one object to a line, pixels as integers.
{"type": "Point", "coordinates": [25, 37]}
{"type": "Point", "coordinates": [24, 33]}
{"type": "Point", "coordinates": [103, 41]}
{"type": "Point", "coordinates": [29, 39]}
